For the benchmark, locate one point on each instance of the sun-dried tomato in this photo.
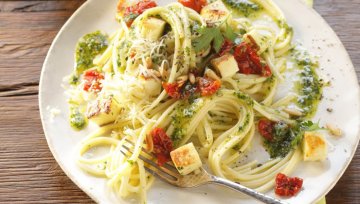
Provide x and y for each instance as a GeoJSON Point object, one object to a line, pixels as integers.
{"type": "Point", "coordinates": [132, 12]}
{"type": "Point", "coordinates": [287, 186]}
{"type": "Point", "coordinates": [173, 89]}
{"type": "Point", "coordinates": [208, 86]}
{"type": "Point", "coordinates": [226, 47]}
{"type": "Point", "coordinates": [266, 128]}
{"type": "Point", "coordinates": [204, 86]}
{"type": "Point", "coordinates": [249, 62]}
{"type": "Point", "coordinates": [92, 80]}
{"type": "Point", "coordinates": [196, 5]}
{"type": "Point", "coordinates": [162, 145]}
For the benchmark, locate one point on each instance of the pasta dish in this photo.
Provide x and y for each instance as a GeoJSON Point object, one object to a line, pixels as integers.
{"type": "Point", "coordinates": [223, 76]}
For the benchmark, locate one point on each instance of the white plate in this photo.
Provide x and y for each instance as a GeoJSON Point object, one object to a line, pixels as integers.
{"type": "Point", "coordinates": [310, 28]}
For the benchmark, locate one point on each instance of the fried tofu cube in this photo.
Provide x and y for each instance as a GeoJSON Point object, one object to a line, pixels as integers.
{"type": "Point", "coordinates": [152, 28]}
{"type": "Point", "coordinates": [226, 65]}
{"type": "Point", "coordinates": [215, 13]}
{"type": "Point", "coordinates": [186, 159]}
{"type": "Point", "coordinates": [314, 147]}
{"type": "Point", "coordinates": [103, 111]}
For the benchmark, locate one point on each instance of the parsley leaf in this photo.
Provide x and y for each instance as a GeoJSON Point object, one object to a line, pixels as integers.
{"type": "Point", "coordinates": [213, 34]}
{"type": "Point", "coordinates": [218, 41]}
{"type": "Point", "coordinates": [208, 35]}
{"type": "Point", "coordinates": [229, 33]}
{"type": "Point", "coordinates": [301, 128]}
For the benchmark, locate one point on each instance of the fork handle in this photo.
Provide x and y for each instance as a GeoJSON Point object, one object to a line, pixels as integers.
{"type": "Point", "coordinates": [248, 191]}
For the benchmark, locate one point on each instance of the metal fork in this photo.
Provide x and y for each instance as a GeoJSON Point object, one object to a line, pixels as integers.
{"type": "Point", "coordinates": [170, 174]}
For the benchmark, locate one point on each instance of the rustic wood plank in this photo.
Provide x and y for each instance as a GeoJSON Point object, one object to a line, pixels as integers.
{"type": "Point", "coordinates": [28, 172]}
{"type": "Point", "coordinates": [27, 29]}
{"type": "Point", "coordinates": [39, 6]}
{"type": "Point", "coordinates": [342, 16]}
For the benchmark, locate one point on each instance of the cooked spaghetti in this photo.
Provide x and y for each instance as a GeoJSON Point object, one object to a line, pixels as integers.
{"type": "Point", "coordinates": [207, 74]}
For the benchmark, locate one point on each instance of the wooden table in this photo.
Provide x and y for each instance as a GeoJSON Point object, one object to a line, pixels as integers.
{"type": "Point", "coordinates": [28, 171]}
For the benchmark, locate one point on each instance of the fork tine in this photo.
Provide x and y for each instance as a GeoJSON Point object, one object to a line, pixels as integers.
{"type": "Point", "coordinates": [169, 166]}
{"type": "Point", "coordinates": [175, 175]}
{"type": "Point", "coordinates": [156, 172]}
{"type": "Point", "coordinates": [160, 175]}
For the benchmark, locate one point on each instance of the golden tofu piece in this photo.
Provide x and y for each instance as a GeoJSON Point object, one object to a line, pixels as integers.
{"type": "Point", "coordinates": [314, 147]}
{"type": "Point", "coordinates": [186, 159]}
{"type": "Point", "coordinates": [103, 111]}
{"type": "Point", "coordinates": [215, 13]}
{"type": "Point", "coordinates": [226, 65]}
{"type": "Point", "coordinates": [152, 28]}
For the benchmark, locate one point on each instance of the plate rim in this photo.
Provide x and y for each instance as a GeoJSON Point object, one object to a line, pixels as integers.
{"type": "Point", "coordinates": [87, 192]}
{"type": "Point", "coordinates": [41, 111]}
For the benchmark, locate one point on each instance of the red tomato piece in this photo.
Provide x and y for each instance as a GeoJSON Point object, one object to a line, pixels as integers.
{"type": "Point", "coordinates": [180, 90]}
{"type": "Point", "coordinates": [196, 5]}
{"type": "Point", "coordinates": [287, 186]}
{"type": "Point", "coordinates": [208, 86]}
{"type": "Point", "coordinates": [92, 80]}
{"type": "Point", "coordinates": [134, 11]}
{"type": "Point", "coordinates": [205, 86]}
{"type": "Point", "coordinates": [172, 89]}
{"type": "Point", "coordinates": [225, 48]}
{"type": "Point", "coordinates": [249, 61]}
{"type": "Point", "coordinates": [266, 128]}
{"type": "Point", "coordinates": [162, 145]}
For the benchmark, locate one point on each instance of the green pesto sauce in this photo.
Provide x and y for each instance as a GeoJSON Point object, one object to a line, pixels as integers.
{"type": "Point", "coordinates": [124, 47]}
{"type": "Point", "coordinates": [244, 7]}
{"type": "Point", "coordinates": [287, 138]}
{"type": "Point", "coordinates": [88, 47]}
{"type": "Point", "coordinates": [182, 117]}
{"type": "Point", "coordinates": [247, 99]}
{"type": "Point", "coordinates": [78, 121]}
{"type": "Point", "coordinates": [309, 86]}
{"type": "Point", "coordinates": [269, 85]}
{"type": "Point", "coordinates": [283, 24]}
{"type": "Point", "coordinates": [74, 79]}
{"type": "Point", "coordinates": [246, 123]}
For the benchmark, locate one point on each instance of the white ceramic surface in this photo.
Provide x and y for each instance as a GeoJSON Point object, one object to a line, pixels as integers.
{"type": "Point", "coordinates": [342, 96]}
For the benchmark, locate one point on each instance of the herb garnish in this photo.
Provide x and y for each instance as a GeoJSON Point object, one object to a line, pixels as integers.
{"type": "Point", "coordinates": [215, 35]}
{"type": "Point", "coordinates": [286, 137]}
{"type": "Point", "coordinates": [208, 35]}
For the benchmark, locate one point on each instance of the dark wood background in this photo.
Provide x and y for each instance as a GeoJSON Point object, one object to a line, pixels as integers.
{"type": "Point", "coordinates": [28, 171]}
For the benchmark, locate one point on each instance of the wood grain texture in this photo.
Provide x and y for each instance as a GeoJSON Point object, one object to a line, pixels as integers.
{"type": "Point", "coordinates": [343, 16]}
{"type": "Point", "coordinates": [28, 172]}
